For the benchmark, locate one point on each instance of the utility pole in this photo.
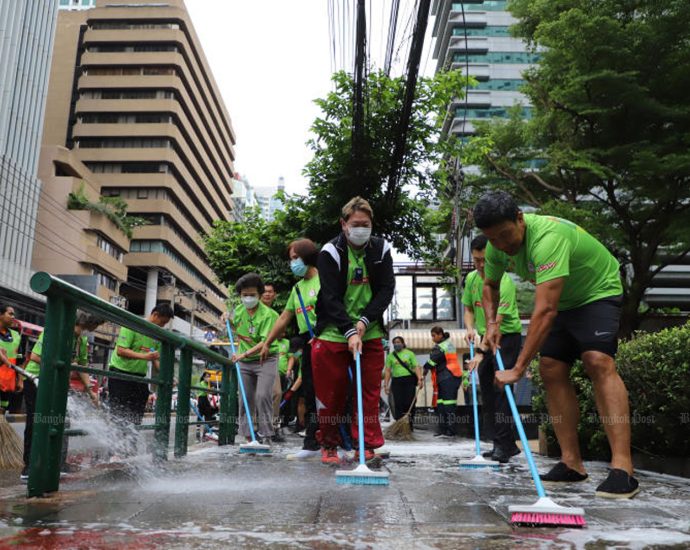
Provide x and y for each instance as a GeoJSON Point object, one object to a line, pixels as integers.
{"type": "Point", "coordinates": [358, 97]}
{"type": "Point", "coordinates": [410, 88]}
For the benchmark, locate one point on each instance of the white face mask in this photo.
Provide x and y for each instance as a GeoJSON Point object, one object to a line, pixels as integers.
{"type": "Point", "coordinates": [250, 302]}
{"type": "Point", "coordinates": [359, 235]}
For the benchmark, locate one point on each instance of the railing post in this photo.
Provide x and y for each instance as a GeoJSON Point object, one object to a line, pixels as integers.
{"type": "Point", "coordinates": [183, 395]}
{"type": "Point", "coordinates": [228, 407]}
{"type": "Point", "coordinates": [51, 398]}
{"type": "Point", "coordinates": [164, 401]}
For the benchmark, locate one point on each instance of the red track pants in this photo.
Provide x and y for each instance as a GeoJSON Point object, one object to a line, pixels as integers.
{"type": "Point", "coordinates": [330, 362]}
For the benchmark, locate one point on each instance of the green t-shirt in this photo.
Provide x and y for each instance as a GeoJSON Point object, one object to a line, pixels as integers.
{"type": "Point", "coordinates": [283, 355]}
{"type": "Point", "coordinates": [255, 327]}
{"type": "Point", "coordinates": [357, 297]}
{"type": "Point", "coordinates": [309, 289]}
{"type": "Point", "coordinates": [555, 248]}
{"type": "Point", "coordinates": [507, 303]}
{"type": "Point", "coordinates": [137, 343]}
{"type": "Point", "coordinates": [80, 356]}
{"type": "Point", "coordinates": [408, 357]}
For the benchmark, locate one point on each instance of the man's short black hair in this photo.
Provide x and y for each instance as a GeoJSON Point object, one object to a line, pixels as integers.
{"type": "Point", "coordinates": [4, 307]}
{"type": "Point", "coordinates": [269, 284]}
{"type": "Point", "coordinates": [479, 242]}
{"type": "Point", "coordinates": [250, 280]}
{"type": "Point", "coordinates": [164, 310]}
{"type": "Point", "coordinates": [493, 208]}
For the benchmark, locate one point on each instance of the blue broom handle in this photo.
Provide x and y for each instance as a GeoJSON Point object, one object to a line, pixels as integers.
{"type": "Point", "coordinates": [474, 403]}
{"type": "Point", "coordinates": [239, 381]}
{"type": "Point", "coordinates": [304, 312]}
{"type": "Point", "coordinates": [360, 410]}
{"type": "Point", "coordinates": [521, 431]}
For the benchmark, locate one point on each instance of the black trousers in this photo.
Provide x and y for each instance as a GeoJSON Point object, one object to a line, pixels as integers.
{"type": "Point", "coordinates": [447, 412]}
{"type": "Point", "coordinates": [127, 401]}
{"type": "Point", "coordinates": [403, 389]}
{"type": "Point", "coordinates": [205, 408]}
{"type": "Point", "coordinates": [497, 417]}
{"type": "Point", "coordinates": [30, 408]}
{"type": "Point", "coordinates": [311, 419]}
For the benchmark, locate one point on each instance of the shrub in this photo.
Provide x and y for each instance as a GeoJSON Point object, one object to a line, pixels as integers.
{"type": "Point", "coordinates": [656, 370]}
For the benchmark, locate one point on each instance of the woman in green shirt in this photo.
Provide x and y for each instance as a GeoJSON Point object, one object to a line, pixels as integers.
{"type": "Point", "coordinates": [252, 322]}
{"type": "Point", "coordinates": [402, 376]}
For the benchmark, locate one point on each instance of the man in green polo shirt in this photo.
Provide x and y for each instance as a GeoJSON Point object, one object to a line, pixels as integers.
{"type": "Point", "coordinates": [576, 316]}
{"type": "Point", "coordinates": [494, 403]}
{"type": "Point", "coordinates": [133, 351]}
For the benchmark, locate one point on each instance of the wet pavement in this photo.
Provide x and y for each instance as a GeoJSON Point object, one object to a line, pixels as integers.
{"type": "Point", "coordinates": [216, 498]}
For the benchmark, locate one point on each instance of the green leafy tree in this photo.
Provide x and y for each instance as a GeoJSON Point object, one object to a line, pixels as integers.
{"type": "Point", "coordinates": [335, 176]}
{"type": "Point", "coordinates": [610, 129]}
{"type": "Point", "coordinates": [254, 245]}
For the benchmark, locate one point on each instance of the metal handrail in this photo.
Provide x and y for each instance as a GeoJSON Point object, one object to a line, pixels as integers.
{"type": "Point", "coordinates": [63, 299]}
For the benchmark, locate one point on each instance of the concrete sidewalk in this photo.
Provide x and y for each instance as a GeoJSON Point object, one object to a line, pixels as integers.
{"type": "Point", "coordinates": [216, 498]}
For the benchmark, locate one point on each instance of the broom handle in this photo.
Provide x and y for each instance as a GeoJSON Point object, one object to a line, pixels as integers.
{"type": "Point", "coordinates": [26, 375]}
{"type": "Point", "coordinates": [239, 381]}
{"type": "Point", "coordinates": [521, 431]}
{"type": "Point", "coordinates": [360, 411]}
{"type": "Point", "coordinates": [475, 410]}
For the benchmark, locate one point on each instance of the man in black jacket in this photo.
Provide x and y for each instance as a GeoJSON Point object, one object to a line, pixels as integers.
{"type": "Point", "coordinates": [357, 285]}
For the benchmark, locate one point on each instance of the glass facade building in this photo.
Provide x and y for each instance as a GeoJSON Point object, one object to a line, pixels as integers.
{"type": "Point", "coordinates": [27, 29]}
{"type": "Point", "coordinates": [475, 37]}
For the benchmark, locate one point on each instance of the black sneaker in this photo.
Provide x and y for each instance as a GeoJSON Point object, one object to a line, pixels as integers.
{"type": "Point", "coordinates": [503, 456]}
{"type": "Point", "coordinates": [619, 484]}
{"type": "Point", "coordinates": [439, 434]}
{"type": "Point", "coordinates": [561, 473]}
{"type": "Point", "coordinates": [487, 454]}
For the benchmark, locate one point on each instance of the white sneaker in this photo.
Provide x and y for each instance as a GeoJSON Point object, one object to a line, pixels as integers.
{"type": "Point", "coordinates": [304, 454]}
{"type": "Point", "coordinates": [303, 433]}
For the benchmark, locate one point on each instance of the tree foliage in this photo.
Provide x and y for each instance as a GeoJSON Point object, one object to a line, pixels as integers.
{"type": "Point", "coordinates": [608, 141]}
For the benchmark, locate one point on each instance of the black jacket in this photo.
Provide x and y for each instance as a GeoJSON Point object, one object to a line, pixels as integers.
{"type": "Point", "coordinates": [333, 264]}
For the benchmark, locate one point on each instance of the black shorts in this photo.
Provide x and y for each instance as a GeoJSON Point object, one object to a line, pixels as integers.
{"type": "Point", "coordinates": [592, 327]}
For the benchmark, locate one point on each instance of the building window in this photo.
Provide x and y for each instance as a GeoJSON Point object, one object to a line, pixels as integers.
{"type": "Point", "coordinates": [489, 30]}
{"type": "Point", "coordinates": [432, 299]}
{"type": "Point", "coordinates": [497, 57]}
{"type": "Point", "coordinates": [105, 280]}
{"type": "Point", "coordinates": [106, 246]}
{"type": "Point", "coordinates": [121, 25]}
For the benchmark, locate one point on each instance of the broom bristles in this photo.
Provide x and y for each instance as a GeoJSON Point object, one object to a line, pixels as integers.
{"type": "Point", "coordinates": [400, 430]}
{"type": "Point", "coordinates": [11, 448]}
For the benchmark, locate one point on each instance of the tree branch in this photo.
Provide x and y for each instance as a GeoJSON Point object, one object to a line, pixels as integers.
{"type": "Point", "coordinates": [515, 180]}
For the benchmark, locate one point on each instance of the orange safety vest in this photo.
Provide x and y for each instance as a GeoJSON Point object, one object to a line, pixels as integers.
{"type": "Point", "coordinates": [452, 363]}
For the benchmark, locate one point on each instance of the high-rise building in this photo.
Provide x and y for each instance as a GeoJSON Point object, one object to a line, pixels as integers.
{"type": "Point", "coordinates": [134, 101]}
{"type": "Point", "coordinates": [267, 199]}
{"type": "Point", "coordinates": [26, 43]}
{"type": "Point", "coordinates": [474, 36]}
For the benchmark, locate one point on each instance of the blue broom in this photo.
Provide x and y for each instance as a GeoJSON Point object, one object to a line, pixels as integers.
{"type": "Point", "coordinates": [545, 512]}
{"type": "Point", "coordinates": [478, 461]}
{"type": "Point", "coordinates": [254, 447]}
{"type": "Point", "coordinates": [361, 475]}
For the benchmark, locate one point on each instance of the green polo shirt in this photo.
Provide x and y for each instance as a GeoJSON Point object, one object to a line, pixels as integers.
{"type": "Point", "coordinates": [309, 289]}
{"type": "Point", "coordinates": [81, 354]}
{"type": "Point", "coordinates": [507, 304]}
{"type": "Point", "coordinates": [555, 248]}
{"type": "Point", "coordinates": [255, 327]}
{"type": "Point", "coordinates": [135, 342]}
{"type": "Point", "coordinates": [357, 297]}
{"type": "Point", "coordinates": [406, 356]}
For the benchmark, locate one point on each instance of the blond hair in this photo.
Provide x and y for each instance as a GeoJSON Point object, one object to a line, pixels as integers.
{"type": "Point", "coordinates": [357, 204]}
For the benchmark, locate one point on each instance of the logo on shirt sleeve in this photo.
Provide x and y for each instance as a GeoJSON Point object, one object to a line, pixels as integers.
{"type": "Point", "coordinates": [546, 267]}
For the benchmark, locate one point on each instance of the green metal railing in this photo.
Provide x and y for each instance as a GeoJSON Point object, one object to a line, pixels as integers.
{"type": "Point", "coordinates": [63, 299]}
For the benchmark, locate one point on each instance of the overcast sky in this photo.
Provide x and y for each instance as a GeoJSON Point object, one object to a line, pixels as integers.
{"type": "Point", "coordinates": [271, 59]}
